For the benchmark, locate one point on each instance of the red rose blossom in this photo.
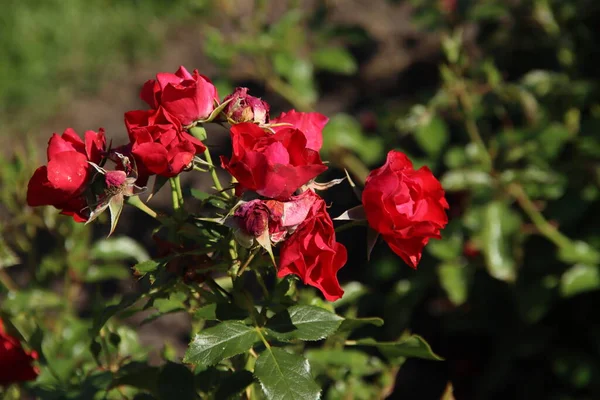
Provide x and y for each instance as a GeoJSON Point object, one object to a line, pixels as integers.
{"type": "Point", "coordinates": [405, 206]}
{"type": "Point", "coordinates": [312, 253]}
{"type": "Point", "coordinates": [159, 144]}
{"type": "Point", "coordinates": [188, 97]}
{"type": "Point", "coordinates": [311, 124]}
{"type": "Point", "coordinates": [63, 181]}
{"type": "Point", "coordinates": [273, 165]}
{"type": "Point", "coordinates": [15, 362]}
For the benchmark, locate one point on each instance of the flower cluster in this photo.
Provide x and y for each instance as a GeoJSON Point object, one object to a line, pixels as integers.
{"type": "Point", "coordinates": [273, 164]}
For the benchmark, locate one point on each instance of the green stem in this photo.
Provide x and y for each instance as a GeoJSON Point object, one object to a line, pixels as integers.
{"type": "Point", "coordinates": [176, 194]}
{"type": "Point", "coordinates": [241, 271]}
{"type": "Point", "coordinates": [140, 205]}
{"type": "Point", "coordinates": [538, 219]}
{"type": "Point", "coordinates": [262, 337]}
{"type": "Point", "coordinates": [472, 129]}
{"type": "Point", "coordinates": [213, 172]}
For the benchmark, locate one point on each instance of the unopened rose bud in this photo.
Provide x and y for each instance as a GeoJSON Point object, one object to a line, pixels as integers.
{"type": "Point", "coordinates": [246, 108]}
{"type": "Point", "coordinates": [253, 217]}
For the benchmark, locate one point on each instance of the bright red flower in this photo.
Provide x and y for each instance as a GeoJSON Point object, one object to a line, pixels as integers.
{"type": "Point", "coordinates": [159, 144]}
{"type": "Point", "coordinates": [405, 206]}
{"type": "Point", "coordinates": [311, 124]}
{"type": "Point", "coordinates": [273, 165]}
{"type": "Point", "coordinates": [15, 362]}
{"type": "Point", "coordinates": [312, 253]}
{"type": "Point", "coordinates": [188, 97]}
{"type": "Point", "coordinates": [62, 182]}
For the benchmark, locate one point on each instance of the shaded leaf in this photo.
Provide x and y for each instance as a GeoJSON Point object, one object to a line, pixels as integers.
{"type": "Point", "coordinates": [234, 384]}
{"type": "Point", "coordinates": [176, 381]}
{"type": "Point", "coordinates": [411, 346]}
{"type": "Point", "coordinates": [334, 59]}
{"type": "Point", "coordinates": [432, 136]}
{"type": "Point", "coordinates": [303, 323]}
{"type": "Point", "coordinates": [579, 278]}
{"type": "Point", "coordinates": [285, 376]}
{"type": "Point", "coordinates": [454, 280]}
{"type": "Point", "coordinates": [119, 248]}
{"type": "Point", "coordinates": [496, 242]}
{"type": "Point", "coordinates": [220, 342]}
{"type": "Point", "coordinates": [348, 325]}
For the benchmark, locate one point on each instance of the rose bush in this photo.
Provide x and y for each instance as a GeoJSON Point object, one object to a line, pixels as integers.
{"type": "Point", "coordinates": [269, 228]}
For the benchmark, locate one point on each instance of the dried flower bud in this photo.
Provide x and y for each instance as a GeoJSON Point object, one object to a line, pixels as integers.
{"type": "Point", "coordinates": [246, 108]}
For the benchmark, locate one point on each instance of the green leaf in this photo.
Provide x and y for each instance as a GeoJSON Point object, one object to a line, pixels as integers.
{"type": "Point", "coordinates": [579, 278]}
{"type": "Point", "coordinates": [410, 346]}
{"type": "Point", "coordinates": [234, 384]}
{"type": "Point", "coordinates": [127, 301]}
{"type": "Point", "coordinates": [344, 131]}
{"type": "Point", "coordinates": [454, 279]}
{"type": "Point", "coordinates": [432, 136]}
{"type": "Point", "coordinates": [98, 273]}
{"type": "Point", "coordinates": [348, 325]}
{"type": "Point", "coordinates": [221, 312]}
{"type": "Point", "coordinates": [119, 248]}
{"type": "Point", "coordinates": [176, 381]}
{"type": "Point", "coordinates": [464, 179]}
{"type": "Point", "coordinates": [335, 59]}
{"type": "Point", "coordinates": [220, 342]}
{"type": "Point", "coordinates": [146, 267]}
{"type": "Point", "coordinates": [354, 361]}
{"type": "Point", "coordinates": [30, 300]}
{"type": "Point", "coordinates": [285, 376]}
{"type": "Point", "coordinates": [496, 242]}
{"type": "Point", "coordinates": [303, 323]}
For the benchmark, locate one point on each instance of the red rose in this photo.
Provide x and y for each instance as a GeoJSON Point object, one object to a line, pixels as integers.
{"type": "Point", "coordinates": [188, 97]}
{"type": "Point", "coordinates": [15, 363]}
{"type": "Point", "coordinates": [311, 124]}
{"type": "Point", "coordinates": [405, 206]}
{"type": "Point", "coordinates": [62, 182]}
{"type": "Point", "coordinates": [246, 108]}
{"type": "Point", "coordinates": [312, 253]}
{"type": "Point", "coordinates": [158, 143]}
{"type": "Point", "coordinates": [273, 165]}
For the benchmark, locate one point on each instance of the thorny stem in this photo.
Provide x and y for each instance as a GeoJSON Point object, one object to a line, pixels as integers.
{"type": "Point", "coordinates": [538, 219]}
{"type": "Point", "coordinates": [213, 173]}
{"type": "Point", "coordinates": [471, 127]}
{"type": "Point", "coordinates": [241, 271]}
{"type": "Point", "coordinates": [139, 204]}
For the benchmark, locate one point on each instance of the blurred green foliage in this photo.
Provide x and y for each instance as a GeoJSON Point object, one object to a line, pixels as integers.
{"type": "Point", "coordinates": [509, 122]}
{"type": "Point", "coordinates": [53, 48]}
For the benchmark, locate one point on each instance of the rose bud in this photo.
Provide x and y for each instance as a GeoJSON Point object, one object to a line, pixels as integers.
{"type": "Point", "coordinates": [188, 97]}
{"type": "Point", "coordinates": [16, 364]}
{"type": "Point", "coordinates": [245, 108]}
{"type": "Point", "coordinates": [405, 206]}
